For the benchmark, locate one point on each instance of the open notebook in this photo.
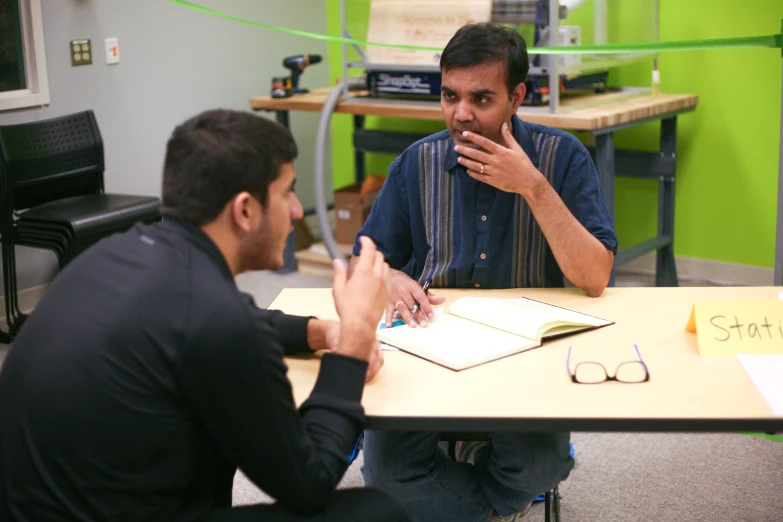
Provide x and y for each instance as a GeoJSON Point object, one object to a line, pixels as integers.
{"type": "Point", "coordinates": [476, 330]}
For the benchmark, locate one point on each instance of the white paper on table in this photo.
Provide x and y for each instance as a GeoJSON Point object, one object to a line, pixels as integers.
{"type": "Point", "coordinates": [765, 372]}
{"type": "Point", "coordinates": [396, 317]}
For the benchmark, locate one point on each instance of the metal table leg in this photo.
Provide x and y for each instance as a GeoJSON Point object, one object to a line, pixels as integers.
{"type": "Point", "coordinates": [282, 119]}
{"type": "Point", "coordinates": [665, 267]}
{"type": "Point", "coordinates": [289, 261]}
{"type": "Point", "coordinates": [778, 280]}
{"type": "Point", "coordinates": [604, 164]}
{"type": "Point", "coordinates": [358, 155]}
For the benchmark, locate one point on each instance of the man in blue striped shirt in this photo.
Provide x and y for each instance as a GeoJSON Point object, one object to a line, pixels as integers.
{"type": "Point", "coordinates": [493, 202]}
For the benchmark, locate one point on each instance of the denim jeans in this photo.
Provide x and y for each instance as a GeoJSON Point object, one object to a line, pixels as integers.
{"type": "Point", "coordinates": [508, 473]}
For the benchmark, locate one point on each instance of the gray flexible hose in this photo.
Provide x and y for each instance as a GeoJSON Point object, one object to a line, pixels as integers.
{"type": "Point", "coordinates": [320, 186]}
{"type": "Point", "coordinates": [324, 123]}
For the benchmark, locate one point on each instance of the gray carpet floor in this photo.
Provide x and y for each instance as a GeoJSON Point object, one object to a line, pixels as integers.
{"type": "Point", "coordinates": [624, 477]}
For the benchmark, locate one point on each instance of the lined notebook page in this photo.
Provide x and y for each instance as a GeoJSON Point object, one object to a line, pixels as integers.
{"type": "Point", "coordinates": [456, 343]}
{"type": "Point", "coordinates": [521, 316]}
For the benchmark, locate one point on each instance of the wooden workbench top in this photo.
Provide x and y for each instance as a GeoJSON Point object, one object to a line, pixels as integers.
{"type": "Point", "coordinates": [589, 112]}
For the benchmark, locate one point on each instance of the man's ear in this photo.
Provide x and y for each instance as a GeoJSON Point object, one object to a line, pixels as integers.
{"type": "Point", "coordinates": [518, 96]}
{"type": "Point", "coordinates": [242, 210]}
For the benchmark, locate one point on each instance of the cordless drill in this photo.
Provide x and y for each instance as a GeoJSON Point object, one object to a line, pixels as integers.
{"type": "Point", "coordinates": [297, 64]}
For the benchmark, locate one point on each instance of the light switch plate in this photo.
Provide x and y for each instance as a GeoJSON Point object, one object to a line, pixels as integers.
{"type": "Point", "coordinates": [81, 52]}
{"type": "Point", "coordinates": [112, 51]}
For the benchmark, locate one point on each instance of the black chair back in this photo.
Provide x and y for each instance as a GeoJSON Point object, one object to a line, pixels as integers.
{"type": "Point", "coordinates": [51, 159]}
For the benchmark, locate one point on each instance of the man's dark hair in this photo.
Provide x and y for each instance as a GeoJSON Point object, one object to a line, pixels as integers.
{"type": "Point", "coordinates": [217, 154]}
{"type": "Point", "coordinates": [483, 43]}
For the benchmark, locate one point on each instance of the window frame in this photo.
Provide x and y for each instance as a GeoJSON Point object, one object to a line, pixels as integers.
{"type": "Point", "coordinates": [37, 81]}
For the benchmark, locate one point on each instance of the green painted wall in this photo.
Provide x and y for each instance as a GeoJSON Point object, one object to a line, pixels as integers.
{"type": "Point", "coordinates": [727, 149]}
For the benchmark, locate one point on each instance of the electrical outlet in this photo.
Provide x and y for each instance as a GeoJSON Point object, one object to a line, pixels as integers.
{"type": "Point", "coordinates": [112, 50]}
{"type": "Point", "coordinates": [81, 52]}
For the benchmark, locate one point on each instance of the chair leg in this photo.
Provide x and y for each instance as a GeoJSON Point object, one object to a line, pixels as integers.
{"type": "Point", "coordinates": [552, 506]}
{"type": "Point", "coordinates": [13, 315]}
{"type": "Point", "coordinates": [13, 304]}
{"type": "Point", "coordinates": [18, 322]}
{"type": "Point", "coordinates": [547, 506]}
{"type": "Point", "coordinates": [16, 313]}
{"type": "Point", "coordinates": [7, 336]}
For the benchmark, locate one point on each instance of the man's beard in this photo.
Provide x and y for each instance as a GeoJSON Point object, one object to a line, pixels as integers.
{"type": "Point", "coordinates": [258, 251]}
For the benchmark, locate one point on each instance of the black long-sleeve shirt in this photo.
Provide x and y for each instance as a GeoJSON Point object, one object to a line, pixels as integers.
{"type": "Point", "coordinates": [144, 378]}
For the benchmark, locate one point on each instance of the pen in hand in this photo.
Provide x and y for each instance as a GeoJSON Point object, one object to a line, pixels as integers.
{"type": "Point", "coordinates": [426, 288]}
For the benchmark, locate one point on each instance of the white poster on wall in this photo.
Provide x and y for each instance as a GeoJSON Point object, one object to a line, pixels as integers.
{"type": "Point", "coordinates": [426, 23]}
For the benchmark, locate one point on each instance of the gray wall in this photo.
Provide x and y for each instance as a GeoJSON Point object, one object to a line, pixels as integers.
{"type": "Point", "coordinates": [174, 63]}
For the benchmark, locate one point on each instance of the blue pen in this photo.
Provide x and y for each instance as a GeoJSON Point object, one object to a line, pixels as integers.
{"type": "Point", "coordinates": [426, 289]}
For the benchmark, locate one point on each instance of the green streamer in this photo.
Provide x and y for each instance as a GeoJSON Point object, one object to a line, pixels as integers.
{"type": "Point", "coordinates": [774, 438]}
{"type": "Point", "coordinates": [772, 41]}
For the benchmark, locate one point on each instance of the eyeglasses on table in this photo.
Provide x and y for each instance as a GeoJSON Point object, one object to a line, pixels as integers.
{"type": "Point", "coordinates": [630, 372]}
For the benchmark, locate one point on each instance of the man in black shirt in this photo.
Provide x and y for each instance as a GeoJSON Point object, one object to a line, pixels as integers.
{"type": "Point", "coordinates": [144, 378]}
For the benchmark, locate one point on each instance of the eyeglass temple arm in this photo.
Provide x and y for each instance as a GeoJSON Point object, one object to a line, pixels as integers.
{"type": "Point", "coordinates": [640, 355]}
{"type": "Point", "coordinates": [568, 362]}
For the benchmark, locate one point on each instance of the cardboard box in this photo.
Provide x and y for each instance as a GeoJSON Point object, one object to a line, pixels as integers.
{"type": "Point", "coordinates": [316, 260]}
{"type": "Point", "coordinates": [351, 206]}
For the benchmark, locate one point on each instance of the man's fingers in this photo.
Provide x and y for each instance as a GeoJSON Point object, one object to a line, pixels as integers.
{"type": "Point", "coordinates": [505, 131]}
{"type": "Point", "coordinates": [339, 276]}
{"type": "Point", "coordinates": [424, 306]}
{"type": "Point", "coordinates": [372, 370]}
{"type": "Point", "coordinates": [478, 175]}
{"type": "Point", "coordinates": [368, 375]}
{"type": "Point", "coordinates": [472, 164]}
{"type": "Point", "coordinates": [421, 318]}
{"type": "Point", "coordinates": [435, 299]}
{"type": "Point", "coordinates": [368, 245]}
{"type": "Point", "coordinates": [389, 315]}
{"type": "Point", "coordinates": [485, 143]}
{"type": "Point", "coordinates": [405, 313]}
{"type": "Point", "coordinates": [367, 253]}
{"type": "Point", "coordinates": [375, 361]}
{"type": "Point", "coordinates": [474, 154]}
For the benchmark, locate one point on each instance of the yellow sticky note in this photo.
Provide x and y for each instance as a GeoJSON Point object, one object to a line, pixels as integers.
{"type": "Point", "coordinates": [731, 327]}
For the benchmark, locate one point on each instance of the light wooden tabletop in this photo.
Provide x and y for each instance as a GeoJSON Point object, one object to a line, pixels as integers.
{"type": "Point", "coordinates": [533, 390]}
{"type": "Point", "coordinates": [592, 112]}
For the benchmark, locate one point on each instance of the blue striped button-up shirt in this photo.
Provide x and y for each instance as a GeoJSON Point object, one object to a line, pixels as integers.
{"type": "Point", "coordinates": [432, 220]}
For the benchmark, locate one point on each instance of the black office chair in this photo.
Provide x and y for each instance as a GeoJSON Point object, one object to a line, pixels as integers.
{"type": "Point", "coordinates": [52, 196]}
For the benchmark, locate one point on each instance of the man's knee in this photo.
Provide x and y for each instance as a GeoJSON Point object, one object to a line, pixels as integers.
{"type": "Point", "coordinates": [391, 457]}
{"type": "Point", "coordinates": [532, 461]}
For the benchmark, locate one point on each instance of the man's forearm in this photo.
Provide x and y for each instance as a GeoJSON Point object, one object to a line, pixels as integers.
{"type": "Point", "coordinates": [585, 261]}
{"type": "Point", "coordinates": [292, 329]}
